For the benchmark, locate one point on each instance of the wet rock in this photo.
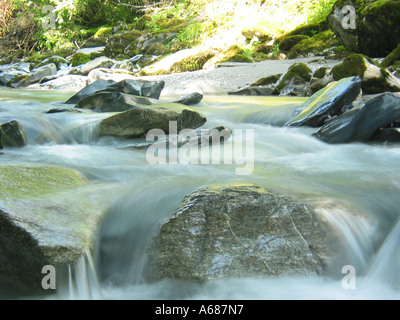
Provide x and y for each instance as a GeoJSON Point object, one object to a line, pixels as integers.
{"type": "Point", "coordinates": [190, 99]}
{"type": "Point", "coordinates": [88, 90]}
{"type": "Point", "coordinates": [13, 135]}
{"type": "Point", "coordinates": [64, 82]}
{"type": "Point", "coordinates": [57, 60]}
{"type": "Point", "coordinates": [361, 123]}
{"type": "Point", "coordinates": [237, 232]}
{"type": "Point", "coordinates": [123, 45]}
{"type": "Point", "coordinates": [137, 122]}
{"type": "Point", "coordinates": [142, 88]}
{"type": "Point", "coordinates": [327, 102]}
{"type": "Point", "coordinates": [387, 135]}
{"type": "Point", "coordinates": [100, 62]}
{"type": "Point", "coordinates": [40, 223]}
{"type": "Point", "coordinates": [114, 102]}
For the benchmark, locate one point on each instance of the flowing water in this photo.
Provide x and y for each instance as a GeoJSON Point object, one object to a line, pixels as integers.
{"type": "Point", "coordinates": [354, 188]}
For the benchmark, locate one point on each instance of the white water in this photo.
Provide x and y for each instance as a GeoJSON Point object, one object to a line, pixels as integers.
{"type": "Point", "coordinates": [354, 187]}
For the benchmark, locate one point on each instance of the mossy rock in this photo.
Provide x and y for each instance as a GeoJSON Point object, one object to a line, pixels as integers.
{"type": "Point", "coordinates": [353, 65]}
{"type": "Point", "coordinates": [123, 44]}
{"type": "Point", "coordinates": [57, 60]}
{"type": "Point", "coordinates": [310, 29]}
{"type": "Point", "coordinates": [80, 58]}
{"type": "Point", "coordinates": [171, 25]}
{"type": "Point", "coordinates": [392, 57]}
{"type": "Point", "coordinates": [102, 32]}
{"type": "Point", "coordinates": [267, 80]}
{"type": "Point", "coordinates": [260, 56]}
{"type": "Point", "coordinates": [234, 54]}
{"type": "Point", "coordinates": [320, 72]}
{"type": "Point", "coordinates": [314, 45]}
{"type": "Point", "coordinates": [265, 48]}
{"type": "Point", "coordinates": [193, 63]}
{"type": "Point", "coordinates": [261, 33]}
{"type": "Point", "coordinates": [299, 71]}
{"type": "Point", "coordinates": [396, 65]}
{"type": "Point", "coordinates": [12, 135]}
{"type": "Point", "coordinates": [288, 42]}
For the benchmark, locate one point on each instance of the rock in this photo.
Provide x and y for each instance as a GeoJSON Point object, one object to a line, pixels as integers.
{"type": "Point", "coordinates": [238, 232]}
{"type": "Point", "coordinates": [65, 82]}
{"type": "Point", "coordinates": [288, 42]}
{"type": "Point", "coordinates": [267, 80]}
{"type": "Point", "coordinates": [258, 33]}
{"type": "Point", "coordinates": [361, 123]}
{"type": "Point", "coordinates": [114, 102]}
{"type": "Point", "coordinates": [194, 62]}
{"type": "Point", "coordinates": [392, 57]}
{"type": "Point", "coordinates": [89, 90]}
{"type": "Point", "coordinates": [326, 103]}
{"type": "Point", "coordinates": [295, 81]}
{"type": "Point", "coordinates": [40, 223]}
{"type": "Point", "coordinates": [137, 122]}
{"type": "Point", "coordinates": [190, 99]}
{"type": "Point", "coordinates": [373, 78]}
{"type": "Point", "coordinates": [377, 26]}
{"type": "Point", "coordinates": [11, 75]}
{"type": "Point", "coordinates": [57, 60]}
{"type": "Point", "coordinates": [387, 135]}
{"type": "Point", "coordinates": [142, 88]}
{"type": "Point", "coordinates": [253, 91]}
{"type": "Point", "coordinates": [127, 65]}
{"type": "Point", "coordinates": [123, 45]}
{"type": "Point", "coordinates": [320, 79]}
{"type": "Point", "coordinates": [13, 135]}
{"type": "Point", "coordinates": [100, 62]}
{"type": "Point", "coordinates": [110, 75]}
{"type": "Point", "coordinates": [37, 74]}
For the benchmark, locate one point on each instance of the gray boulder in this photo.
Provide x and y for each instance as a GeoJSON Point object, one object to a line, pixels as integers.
{"type": "Point", "coordinates": [105, 101]}
{"type": "Point", "coordinates": [253, 91]}
{"type": "Point", "coordinates": [142, 88]}
{"type": "Point", "coordinates": [327, 102]}
{"type": "Point", "coordinates": [12, 135]}
{"type": "Point", "coordinates": [361, 123]}
{"type": "Point", "coordinates": [237, 232]}
{"type": "Point", "coordinates": [137, 122]}
{"type": "Point", "coordinates": [190, 99]}
{"type": "Point", "coordinates": [88, 90]}
{"type": "Point", "coordinates": [40, 223]}
{"type": "Point", "coordinates": [37, 74]}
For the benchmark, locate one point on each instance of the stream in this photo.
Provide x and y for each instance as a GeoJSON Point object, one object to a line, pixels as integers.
{"type": "Point", "coordinates": [355, 188]}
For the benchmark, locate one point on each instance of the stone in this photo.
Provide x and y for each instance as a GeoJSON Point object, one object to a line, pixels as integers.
{"type": "Point", "coordinates": [66, 82]}
{"type": "Point", "coordinates": [123, 45]}
{"type": "Point", "coordinates": [190, 99]}
{"type": "Point", "coordinates": [40, 223]}
{"type": "Point", "coordinates": [253, 91]}
{"type": "Point", "coordinates": [374, 79]}
{"type": "Point", "coordinates": [88, 90]}
{"type": "Point", "coordinates": [114, 102]}
{"type": "Point", "coordinates": [100, 62]}
{"type": "Point", "coordinates": [37, 74]}
{"type": "Point", "coordinates": [361, 123]}
{"type": "Point", "coordinates": [13, 135]}
{"type": "Point", "coordinates": [327, 102]}
{"type": "Point", "coordinates": [295, 81]}
{"type": "Point", "coordinates": [137, 122]}
{"type": "Point", "coordinates": [223, 232]}
{"type": "Point", "coordinates": [387, 135]}
{"type": "Point", "coordinates": [142, 88]}
{"type": "Point", "coordinates": [57, 60]}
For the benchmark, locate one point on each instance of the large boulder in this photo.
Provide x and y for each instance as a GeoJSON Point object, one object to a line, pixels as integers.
{"type": "Point", "coordinates": [295, 81]}
{"type": "Point", "coordinates": [142, 88]}
{"type": "Point", "coordinates": [39, 73]}
{"type": "Point", "coordinates": [88, 90]}
{"type": "Point", "coordinates": [327, 102]}
{"type": "Point", "coordinates": [361, 123]}
{"type": "Point", "coordinates": [40, 223]}
{"type": "Point", "coordinates": [100, 62]}
{"type": "Point", "coordinates": [377, 26]}
{"type": "Point", "coordinates": [139, 121]}
{"type": "Point", "coordinates": [236, 232]}
{"type": "Point", "coordinates": [114, 102]}
{"type": "Point", "coordinates": [12, 135]}
{"type": "Point", "coordinates": [374, 79]}
{"type": "Point", "coordinates": [189, 99]}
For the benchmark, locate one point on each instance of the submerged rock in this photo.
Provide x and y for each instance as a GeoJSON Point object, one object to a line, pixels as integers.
{"type": "Point", "coordinates": [40, 223]}
{"type": "Point", "coordinates": [387, 135]}
{"type": "Point", "coordinates": [114, 102]}
{"type": "Point", "coordinates": [237, 232]}
{"type": "Point", "coordinates": [136, 122]}
{"type": "Point", "coordinates": [361, 123]}
{"type": "Point", "coordinates": [253, 91]}
{"type": "Point", "coordinates": [189, 99]}
{"type": "Point", "coordinates": [37, 74]}
{"type": "Point", "coordinates": [12, 135]}
{"type": "Point", "coordinates": [327, 102]}
{"type": "Point", "coordinates": [295, 81]}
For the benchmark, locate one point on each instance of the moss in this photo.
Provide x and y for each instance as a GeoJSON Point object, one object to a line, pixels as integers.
{"type": "Point", "coordinates": [288, 42]}
{"type": "Point", "coordinates": [310, 29]}
{"type": "Point", "coordinates": [353, 65]}
{"type": "Point", "coordinates": [297, 70]}
{"type": "Point", "coordinates": [193, 63]}
{"type": "Point", "coordinates": [392, 57]}
{"type": "Point", "coordinates": [260, 56]}
{"type": "Point", "coordinates": [267, 80]}
{"type": "Point", "coordinates": [80, 58]}
{"type": "Point", "coordinates": [396, 65]}
{"type": "Point", "coordinates": [17, 79]}
{"type": "Point", "coordinates": [27, 182]}
{"type": "Point", "coordinates": [103, 31]}
{"type": "Point", "coordinates": [316, 44]}
{"type": "Point", "coordinates": [388, 10]}
{"type": "Point", "coordinates": [320, 73]}
{"type": "Point", "coordinates": [260, 32]}
{"type": "Point", "coordinates": [123, 44]}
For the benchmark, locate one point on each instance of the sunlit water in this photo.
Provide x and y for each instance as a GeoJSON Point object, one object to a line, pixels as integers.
{"type": "Point", "coordinates": [354, 188]}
